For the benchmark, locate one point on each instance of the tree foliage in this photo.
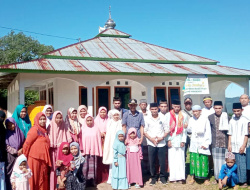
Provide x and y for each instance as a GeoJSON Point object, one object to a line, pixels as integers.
{"type": "Point", "coordinates": [31, 96]}
{"type": "Point", "coordinates": [17, 47]}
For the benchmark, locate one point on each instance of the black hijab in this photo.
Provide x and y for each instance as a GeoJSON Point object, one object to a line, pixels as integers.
{"type": "Point", "coordinates": [3, 153]}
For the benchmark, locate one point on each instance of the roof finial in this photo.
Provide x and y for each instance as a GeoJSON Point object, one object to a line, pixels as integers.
{"type": "Point", "coordinates": [110, 24]}
{"type": "Point", "coordinates": [109, 11]}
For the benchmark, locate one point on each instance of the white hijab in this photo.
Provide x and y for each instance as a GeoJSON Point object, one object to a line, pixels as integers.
{"type": "Point", "coordinates": [48, 120]}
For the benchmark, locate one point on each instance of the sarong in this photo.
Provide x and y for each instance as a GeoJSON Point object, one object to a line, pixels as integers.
{"type": "Point", "coordinates": [218, 160]}
{"type": "Point", "coordinates": [241, 167]}
{"type": "Point", "coordinates": [199, 166]}
{"type": "Point", "coordinates": [90, 167]}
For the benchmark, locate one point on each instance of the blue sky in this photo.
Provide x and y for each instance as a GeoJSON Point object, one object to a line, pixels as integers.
{"type": "Point", "coordinates": [214, 29]}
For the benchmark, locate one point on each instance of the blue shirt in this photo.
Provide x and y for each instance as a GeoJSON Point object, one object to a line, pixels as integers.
{"type": "Point", "coordinates": [135, 121]}
{"type": "Point", "coordinates": [227, 171]}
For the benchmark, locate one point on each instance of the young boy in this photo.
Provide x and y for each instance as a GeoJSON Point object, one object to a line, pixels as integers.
{"type": "Point", "coordinates": [228, 173]}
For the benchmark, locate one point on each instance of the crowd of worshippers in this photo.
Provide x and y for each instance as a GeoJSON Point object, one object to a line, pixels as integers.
{"type": "Point", "coordinates": [119, 146]}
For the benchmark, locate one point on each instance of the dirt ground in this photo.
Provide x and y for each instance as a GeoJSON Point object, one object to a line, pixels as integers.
{"type": "Point", "coordinates": [176, 186]}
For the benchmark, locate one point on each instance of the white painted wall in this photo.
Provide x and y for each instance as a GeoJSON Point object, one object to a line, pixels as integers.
{"type": "Point", "coordinates": [66, 92]}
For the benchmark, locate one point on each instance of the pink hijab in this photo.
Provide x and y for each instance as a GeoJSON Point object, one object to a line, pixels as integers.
{"type": "Point", "coordinates": [58, 133]}
{"type": "Point", "coordinates": [132, 142]}
{"type": "Point", "coordinates": [80, 119]}
{"type": "Point", "coordinates": [91, 139]}
{"type": "Point", "coordinates": [100, 122]}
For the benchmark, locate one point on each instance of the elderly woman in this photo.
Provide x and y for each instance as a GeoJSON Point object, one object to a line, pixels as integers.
{"type": "Point", "coordinates": [92, 148]}
{"type": "Point", "coordinates": [58, 133]}
{"type": "Point", "coordinates": [22, 119]}
{"type": "Point", "coordinates": [36, 149]}
{"type": "Point", "coordinates": [74, 179]}
{"type": "Point", "coordinates": [14, 142]}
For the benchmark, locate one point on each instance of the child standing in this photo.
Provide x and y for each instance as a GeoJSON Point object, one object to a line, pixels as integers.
{"type": "Point", "coordinates": [228, 173]}
{"type": "Point", "coordinates": [21, 174]}
{"type": "Point", "coordinates": [119, 177]}
{"type": "Point", "coordinates": [134, 157]}
{"type": "Point", "coordinates": [63, 162]}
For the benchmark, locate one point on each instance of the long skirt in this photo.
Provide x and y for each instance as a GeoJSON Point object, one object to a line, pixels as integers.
{"type": "Point", "coordinates": [11, 159]}
{"type": "Point", "coordinates": [134, 173]}
{"type": "Point", "coordinates": [241, 167]}
{"type": "Point", "coordinates": [53, 179]}
{"type": "Point", "coordinates": [218, 160]}
{"type": "Point", "coordinates": [199, 166]}
{"type": "Point", "coordinates": [176, 162]}
{"type": "Point", "coordinates": [103, 171]}
{"type": "Point", "coordinates": [90, 167]}
{"type": "Point", "coordinates": [40, 178]}
{"type": "Point", "coordinates": [119, 175]}
{"type": "Point", "coordinates": [2, 176]}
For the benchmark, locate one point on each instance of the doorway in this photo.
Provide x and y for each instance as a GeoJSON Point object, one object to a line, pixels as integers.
{"type": "Point", "coordinates": [125, 94]}
{"type": "Point", "coordinates": [102, 97]}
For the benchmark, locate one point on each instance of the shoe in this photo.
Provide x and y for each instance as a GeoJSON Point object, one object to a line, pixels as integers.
{"type": "Point", "coordinates": [164, 181]}
{"type": "Point", "coordinates": [137, 186]}
{"type": "Point", "coordinates": [129, 186]}
{"type": "Point", "coordinates": [153, 181]}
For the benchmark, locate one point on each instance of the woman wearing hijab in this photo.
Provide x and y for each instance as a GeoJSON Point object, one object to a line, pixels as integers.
{"type": "Point", "coordinates": [75, 179]}
{"type": "Point", "coordinates": [82, 111]}
{"type": "Point", "coordinates": [73, 124]}
{"type": "Point", "coordinates": [36, 149]}
{"type": "Point", "coordinates": [3, 154]}
{"type": "Point", "coordinates": [58, 133]}
{"type": "Point", "coordinates": [22, 119]}
{"type": "Point", "coordinates": [92, 148]}
{"type": "Point", "coordinates": [113, 126]}
{"type": "Point", "coordinates": [48, 111]}
{"type": "Point", "coordinates": [14, 140]}
{"type": "Point", "coordinates": [101, 121]}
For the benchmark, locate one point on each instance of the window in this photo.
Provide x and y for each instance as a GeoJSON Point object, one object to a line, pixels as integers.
{"type": "Point", "coordinates": [43, 95]}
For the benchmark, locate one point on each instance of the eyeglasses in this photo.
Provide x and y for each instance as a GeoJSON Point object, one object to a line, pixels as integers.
{"type": "Point", "coordinates": [188, 103]}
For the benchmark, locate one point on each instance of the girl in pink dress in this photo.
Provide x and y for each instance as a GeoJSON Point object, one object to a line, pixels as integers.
{"type": "Point", "coordinates": [21, 174]}
{"type": "Point", "coordinates": [134, 157]}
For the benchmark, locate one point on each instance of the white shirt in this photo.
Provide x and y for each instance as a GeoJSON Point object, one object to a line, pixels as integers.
{"type": "Point", "coordinates": [238, 129]}
{"type": "Point", "coordinates": [176, 140]}
{"type": "Point", "coordinates": [201, 135]}
{"type": "Point", "coordinates": [207, 112]}
{"type": "Point", "coordinates": [145, 114]}
{"type": "Point", "coordinates": [162, 116]}
{"type": "Point", "coordinates": [155, 127]}
{"type": "Point", "coordinates": [246, 112]}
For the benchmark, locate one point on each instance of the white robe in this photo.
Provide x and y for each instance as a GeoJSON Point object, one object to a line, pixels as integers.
{"type": "Point", "coordinates": [201, 135]}
{"type": "Point", "coordinates": [246, 112]}
{"type": "Point", "coordinates": [176, 154]}
{"type": "Point", "coordinates": [238, 129]}
{"type": "Point", "coordinates": [111, 130]}
{"type": "Point", "coordinates": [207, 112]}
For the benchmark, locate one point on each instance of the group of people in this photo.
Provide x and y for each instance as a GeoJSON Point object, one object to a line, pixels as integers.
{"type": "Point", "coordinates": [119, 146]}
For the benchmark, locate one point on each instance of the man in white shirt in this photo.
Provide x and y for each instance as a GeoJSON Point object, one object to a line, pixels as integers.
{"type": "Point", "coordinates": [244, 100]}
{"type": "Point", "coordinates": [163, 106]}
{"type": "Point", "coordinates": [176, 142]}
{"type": "Point", "coordinates": [237, 141]}
{"type": "Point", "coordinates": [143, 105]}
{"type": "Point", "coordinates": [199, 145]}
{"type": "Point", "coordinates": [155, 131]}
{"type": "Point", "coordinates": [208, 109]}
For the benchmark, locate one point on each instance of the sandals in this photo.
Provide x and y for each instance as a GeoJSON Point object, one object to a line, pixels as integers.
{"type": "Point", "coordinates": [191, 182]}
